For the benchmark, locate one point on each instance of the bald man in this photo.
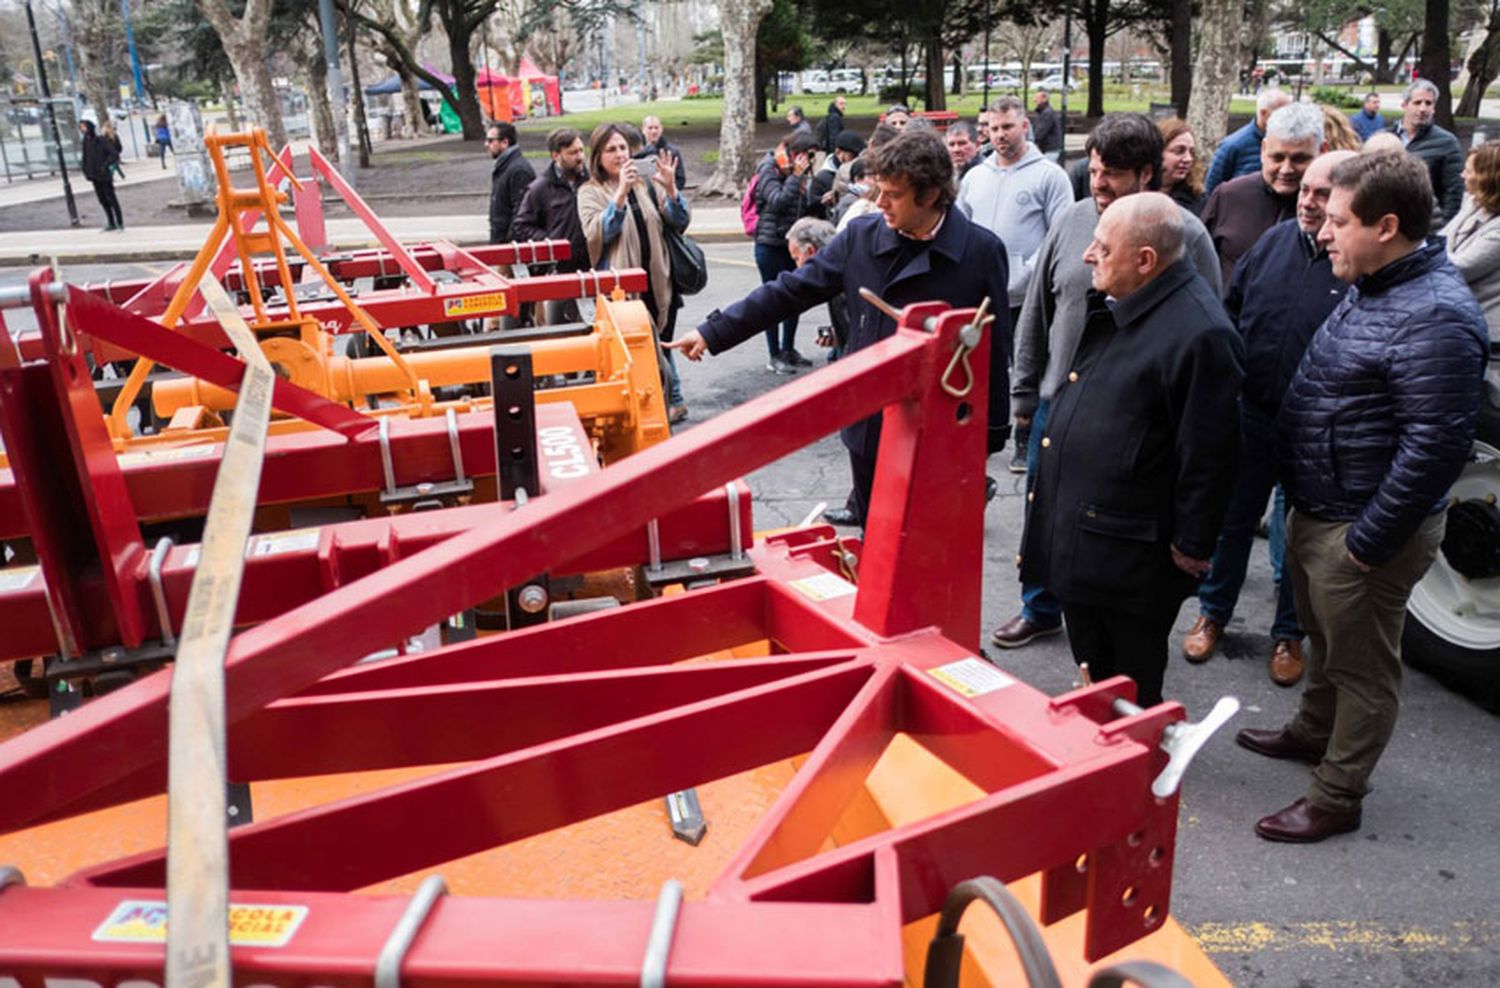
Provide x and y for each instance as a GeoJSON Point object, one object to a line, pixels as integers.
{"type": "Point", "coordinates": [1138, 457]}
{"type": "Point", "coordinates": [1280, 293]}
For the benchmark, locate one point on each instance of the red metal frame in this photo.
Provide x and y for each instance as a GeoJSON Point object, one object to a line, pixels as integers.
{"type": "Point", "coordinates": [593, 723]}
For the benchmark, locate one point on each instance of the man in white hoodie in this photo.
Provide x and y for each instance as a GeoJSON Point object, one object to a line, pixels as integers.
{"type": "Point", "coordinates": [1015, 193]}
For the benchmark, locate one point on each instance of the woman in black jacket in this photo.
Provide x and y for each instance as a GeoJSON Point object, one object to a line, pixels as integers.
{"type": "Point", "coordinates": [781, 200]}
{"type": "Point", "coordinates": [99, 160]}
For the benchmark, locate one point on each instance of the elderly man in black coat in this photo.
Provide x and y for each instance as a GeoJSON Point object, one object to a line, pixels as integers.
{"type": "Point", "coordinates": [1138, 459]}
{"type": "Point", "coordinates": [918, 249]}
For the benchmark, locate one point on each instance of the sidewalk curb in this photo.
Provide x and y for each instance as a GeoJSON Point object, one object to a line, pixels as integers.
{"type": "Point", "coordinates": [125, 255]}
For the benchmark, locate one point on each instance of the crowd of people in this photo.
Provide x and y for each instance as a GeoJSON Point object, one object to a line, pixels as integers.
{"type": "Point", "coordinates": [1298, 325]}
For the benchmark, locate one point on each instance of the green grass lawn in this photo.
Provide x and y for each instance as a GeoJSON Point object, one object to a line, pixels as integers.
{"type": "Point", "coordinates": [707, 112]}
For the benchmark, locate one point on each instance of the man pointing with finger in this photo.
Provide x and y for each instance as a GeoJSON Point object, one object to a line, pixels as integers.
{"type": "Point", "coordinates": [1138, 454]}
{"type": "Point", "coordinates": [918, 249]}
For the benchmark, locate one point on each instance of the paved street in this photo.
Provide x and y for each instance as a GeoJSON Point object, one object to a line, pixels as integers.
{"type": "Point", "coordinates": [1411, 899]}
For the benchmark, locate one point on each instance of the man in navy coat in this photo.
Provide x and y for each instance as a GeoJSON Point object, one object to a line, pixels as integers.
{"type": "Point", "coordinates": [918, 249]}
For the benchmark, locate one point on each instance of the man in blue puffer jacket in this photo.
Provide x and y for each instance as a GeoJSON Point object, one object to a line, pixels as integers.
{"type": "Point", "coordinates": [1375, 427]}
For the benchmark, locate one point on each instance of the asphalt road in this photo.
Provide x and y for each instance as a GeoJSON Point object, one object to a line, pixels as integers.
{"type": "Point", "coordinates": [1411, 899]}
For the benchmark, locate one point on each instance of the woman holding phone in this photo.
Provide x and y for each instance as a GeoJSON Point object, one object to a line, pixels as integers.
{"type": "Point", "coordinates": [781, 200]}
{"type": "Point", "coordinates": [623, 216]}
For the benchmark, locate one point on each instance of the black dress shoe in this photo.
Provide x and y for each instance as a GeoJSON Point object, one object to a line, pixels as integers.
{"type": "Point", "coordinates": [841, 516]}
{"type": "Point", "coordinates": [1304, 823]}
{"type": "Point", "coordinates": [1278, 744]}
{"type": "Point", "coordinates": [991, 488]}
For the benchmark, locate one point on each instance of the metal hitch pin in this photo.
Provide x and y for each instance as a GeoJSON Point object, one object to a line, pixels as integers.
{"type": "Point", "coordinates": [1182, 740]}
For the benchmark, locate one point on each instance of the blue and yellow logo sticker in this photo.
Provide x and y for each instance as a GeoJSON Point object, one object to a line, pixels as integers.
{"type": "Point", "coordinates": [250, 925]}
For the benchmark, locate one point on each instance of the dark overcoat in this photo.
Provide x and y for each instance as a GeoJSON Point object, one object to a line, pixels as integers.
{"type": "Point", "coordinates": [965, 264]}
{"type": "Point", "coordinates": [1140, 450]}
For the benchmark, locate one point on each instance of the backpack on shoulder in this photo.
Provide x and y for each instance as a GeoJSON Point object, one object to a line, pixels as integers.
{"type": "Point", "coordinates": [749, 211]}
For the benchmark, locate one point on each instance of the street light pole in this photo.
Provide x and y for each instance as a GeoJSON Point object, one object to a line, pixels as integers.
{"type": "Point", "coordinates": [1067, 77]}
{"type": "Point", "coordinates": [135, 58]}
{"type": "Point", "coordinates": [41, 74]}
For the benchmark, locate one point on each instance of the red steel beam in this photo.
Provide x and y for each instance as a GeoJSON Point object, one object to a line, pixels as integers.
{"type": "Point", "coordinates": [1059, 777]}
{"type": "Point", "coordinates": [301, 646]}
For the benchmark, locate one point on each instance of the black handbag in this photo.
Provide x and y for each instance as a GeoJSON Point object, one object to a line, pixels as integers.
{"type": "Point", "coordinates": [684, 256]}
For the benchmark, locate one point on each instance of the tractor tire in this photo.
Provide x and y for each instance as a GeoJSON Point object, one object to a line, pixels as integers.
{"type": "Point", "coordinates": [1453, 617]}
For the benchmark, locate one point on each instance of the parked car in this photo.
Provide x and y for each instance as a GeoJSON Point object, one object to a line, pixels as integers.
{"type": "Point", "coordinates": [1055, 81]}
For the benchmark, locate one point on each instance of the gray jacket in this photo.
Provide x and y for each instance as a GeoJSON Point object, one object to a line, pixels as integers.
{"type": "Point", "coordinates": [1474, 248]}
{"type": "Point", "coordinates": [1056, 307]}
{"type": "Point", "coordinates": [1018, 204]}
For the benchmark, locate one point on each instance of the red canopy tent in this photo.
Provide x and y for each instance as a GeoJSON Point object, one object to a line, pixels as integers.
{"type": "Point", "coordinates": [509, 97]}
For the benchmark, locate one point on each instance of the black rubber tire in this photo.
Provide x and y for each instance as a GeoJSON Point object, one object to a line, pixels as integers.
{"type": "Point", "coordinates": [1475, 673]}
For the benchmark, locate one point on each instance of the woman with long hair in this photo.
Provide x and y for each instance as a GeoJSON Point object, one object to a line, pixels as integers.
{"type": "Point", "coordinates": [99, 160]}
{"type": "Point", "coordinates": [1474, 233]}
{"type": "Point", "coordinates": [624, 217]}
{"type": "Point", "coordinates": [1182, 165]}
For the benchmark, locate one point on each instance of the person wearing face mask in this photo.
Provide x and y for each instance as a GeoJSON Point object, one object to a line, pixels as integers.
{"type": "Point", "coordinates": [1124, 155]}
{"type": "Point", "coordinates": [1182, 166]}
{"type": "Point", "coordinates": [624, 216]}
{"type": "Point", "coordinates": [1240, 210]}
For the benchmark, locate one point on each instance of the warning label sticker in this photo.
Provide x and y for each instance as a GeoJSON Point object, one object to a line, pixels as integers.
{"type": "Point", "coordinates": [825, 586]}
{"type": "Point", "coordinates": [145, 921]}
{"type": "Point", "coordinates": [17, 578]}
{"type": "Point", "coordinates": [166, 454]}
{"type": "Point", "coordinates": [298, 540]}
{"type": "Point", "coordinates": [260, 546]}
{"type": "Point", "coordinates": [490, 302]}
{"type": "Point", "coordinates": [971, 677]}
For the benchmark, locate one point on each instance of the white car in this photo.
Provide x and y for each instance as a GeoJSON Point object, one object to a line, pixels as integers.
{"type": "Point", "coordinates": [1055, 81]}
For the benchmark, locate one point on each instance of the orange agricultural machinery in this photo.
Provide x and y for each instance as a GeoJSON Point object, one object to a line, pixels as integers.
{"type": "Point", "coordinates": [480, 811]}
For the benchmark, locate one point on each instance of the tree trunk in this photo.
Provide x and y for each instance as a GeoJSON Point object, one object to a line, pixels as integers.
{"type": "Point", "coordinates": [325, 131]}
{"type": "Point", "coordinates": [1382, 56]}
{"type": "Point", "coordinates": [739, 20]}
{"type": "Point", "coordinates": [1435, 59]}
{"type": "Point", "coordinates": [357, 95]}
{"type": "Point", "coordinates": [1182, 55]}
{"type": "Point", "coordinates": [243, 39]}
{"type": "Point", "coordinates": [958, 75]}
{"type": "Point", "coordinates": [470, 116]}
{"type": "Point", "coordinates": [1483, 66]}
{"type": "Point", "coordinates": [1216, 71]}
{"type": "Point", "coordinates": [936, 96]}
{"type": "Point", "coordinates": [1096, 24]}
{"type": "Point", "coordinates": [411, 104]}
{"type": "Point", "coordinates": [226, 95]}
{"type": "Point", "coordinates": [762, 110]}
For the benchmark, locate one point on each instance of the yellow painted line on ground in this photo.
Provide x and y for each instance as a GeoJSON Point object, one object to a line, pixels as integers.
{"type": "Point", "coordinates": [729, 260]}
{"type": "Point", "coordinates": [1234, 938]}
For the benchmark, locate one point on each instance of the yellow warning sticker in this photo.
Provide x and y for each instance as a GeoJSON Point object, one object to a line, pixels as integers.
{"type": "Point", "coordinates": [490, 302]}
{"type": "Point", "coordinates": [825, 586]}
{"type": "Point", "coordinates": [145, 921]}
{"type": "Point", "coordinates": [971, 677]}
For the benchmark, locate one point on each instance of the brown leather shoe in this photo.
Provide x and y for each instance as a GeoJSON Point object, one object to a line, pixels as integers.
{"type": "Point", "coordinates": [1286, 662]}
{"type": "Point", "coordinates": [1304, 823]}
{"type": "Point", "coordinates": [1278, 744]}
{"type": "Point", "coordinates": [1202, 638]}
{"type": "Point", "coordinates": [1018, 631]}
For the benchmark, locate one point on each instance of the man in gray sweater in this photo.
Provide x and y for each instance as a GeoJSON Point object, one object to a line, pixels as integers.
{"type": "Point", "coordinates": [1015, 193]}
{"type": "Point", "coordinates": [1124, 153]}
